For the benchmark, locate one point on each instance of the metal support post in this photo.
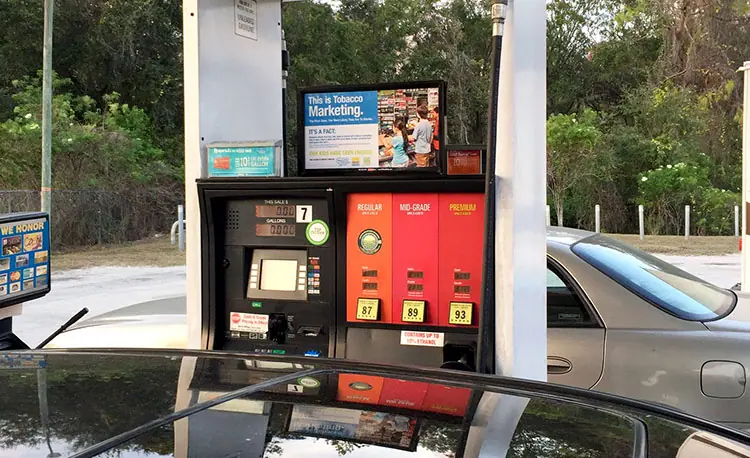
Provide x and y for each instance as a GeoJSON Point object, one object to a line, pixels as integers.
{"type": "Point", "coordinates": [597, 218]}
{"type": "Point", "coordinates": [687, 221]}
{"type": "Point", "coordinates": [46, 188]}
{"type": "Point", "coordinates": [640, 221]}
{"type": "Point", "coordinates": [520, 170]}
{"type": "Point", "coordinates": [745, 279]}
{"type": "Point", "coordinates": [736, 221]}
{"type": "Point", "coordinates": [181, 227]}
{"type": "Point", "coordinates": [549, 216]}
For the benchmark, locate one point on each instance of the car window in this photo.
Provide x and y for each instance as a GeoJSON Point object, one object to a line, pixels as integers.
{"type": "Point", "coordinates": [658, 282]}
{"type": "Point", "coordinates": [565, 308]}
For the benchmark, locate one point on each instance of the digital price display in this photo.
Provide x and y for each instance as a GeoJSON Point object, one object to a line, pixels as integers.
{"type": "Point", "coordinates": [462, 289]}
{"type": "Point", "coordinates": [275, 211]}
{"type": "Point", "coordinates": [414, 287]}
{"type": "Point", "coordinates": [462, 276]}
{"type": "Point", "coordinates": [414, 274]}
{"type": "Point", "coordinates": [369, 286]}
{"type": "Point", "coordinates": [275, 230]}
{"type": "Point", "coordinates": [369, 273]}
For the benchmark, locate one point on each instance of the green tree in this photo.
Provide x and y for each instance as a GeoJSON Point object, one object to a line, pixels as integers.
{"type": "Point", "coordinates": [573, 156]}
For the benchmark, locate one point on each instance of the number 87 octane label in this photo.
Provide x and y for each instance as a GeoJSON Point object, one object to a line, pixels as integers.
{"type": "Point", "coordinates": [460, 313]}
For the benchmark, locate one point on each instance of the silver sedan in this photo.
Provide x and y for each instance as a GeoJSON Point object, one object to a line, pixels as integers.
{"type": "Point", "coordinates": [619, 321]}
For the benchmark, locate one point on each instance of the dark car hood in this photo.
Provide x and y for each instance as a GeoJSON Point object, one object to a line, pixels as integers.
{"type": "Point", "coordinates": [98, 402]}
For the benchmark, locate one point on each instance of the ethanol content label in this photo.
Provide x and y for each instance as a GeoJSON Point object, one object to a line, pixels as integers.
{"type": "Point", "coordinates": [422, 339]}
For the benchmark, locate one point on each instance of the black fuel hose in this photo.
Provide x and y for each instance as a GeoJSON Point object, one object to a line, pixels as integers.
{"type": "Point", "coordinates": [486, 351]}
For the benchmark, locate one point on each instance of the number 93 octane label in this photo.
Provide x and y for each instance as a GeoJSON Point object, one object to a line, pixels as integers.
{"type": "Point", "coordinates": [460, 313]}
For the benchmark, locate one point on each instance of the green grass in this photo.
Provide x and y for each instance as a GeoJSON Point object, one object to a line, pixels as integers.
{"type": "Point", "coordinates": [157, 252]}
{"type": "Point", "coordinates": [677, 245]}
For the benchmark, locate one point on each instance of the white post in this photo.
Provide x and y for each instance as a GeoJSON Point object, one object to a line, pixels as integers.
{"type": "Point", "coordinates": [640, 221]}
{"type": "Point", "coordinates": [549, 216]}
{"type": "Point", "coordinates": [597, 218]}
{"type": "Point", "coordinates": [227, 99]}
{"type": "Point", "coordinates": [745, 279]}
{"type": "Point", "coordinates": [736, 221]}
{"type": "Point", "coordinates": [520, 235]}
{"type": "Point", "coordinates": [181, 227]}
{"type": "Point", "coordinates": [687, 221]}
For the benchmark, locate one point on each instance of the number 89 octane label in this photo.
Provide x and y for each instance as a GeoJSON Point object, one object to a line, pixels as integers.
{"type": "Point", "coordinates": [413, 312]}
{"type": "Point", "coordinates": [460, 313]}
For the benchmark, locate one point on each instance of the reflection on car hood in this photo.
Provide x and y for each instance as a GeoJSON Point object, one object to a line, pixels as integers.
{"type": "Point", "coordinates": [171, 307]}
{"type": "Point", "coordinates": [213, 404]}
{"type": "Point", "coordinates": [738, 320]}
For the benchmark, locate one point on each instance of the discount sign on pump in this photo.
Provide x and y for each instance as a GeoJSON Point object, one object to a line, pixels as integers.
{"type": "Point", "coordinates": [341, 130]}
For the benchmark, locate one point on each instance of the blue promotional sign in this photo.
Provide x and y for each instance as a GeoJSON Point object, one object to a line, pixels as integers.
{"type": "Point", "coordinates": [341, 108]}
{"type": "Point", "coordinates": [243, 160]}
{"type": "Point", "coordinates": [24, 257]}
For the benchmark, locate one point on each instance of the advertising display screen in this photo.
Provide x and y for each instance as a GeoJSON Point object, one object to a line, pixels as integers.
{"type": "Point", "coordinates": [24, 259]}
{"type": "Point", "coordinates": [387, 127]}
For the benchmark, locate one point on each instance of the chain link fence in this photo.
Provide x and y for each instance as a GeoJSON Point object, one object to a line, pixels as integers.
{"type": "Point", "coordinates": [90, 217]}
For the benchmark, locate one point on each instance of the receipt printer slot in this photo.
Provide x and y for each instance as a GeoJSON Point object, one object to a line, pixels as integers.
{"type": "Point", "coordinates": [310, 331]}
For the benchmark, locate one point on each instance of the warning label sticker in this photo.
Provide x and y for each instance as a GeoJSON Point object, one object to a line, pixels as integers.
{"type": "Point", "coordinates": [422, 339]}
{"type": "Point", "coordinates": [248, 322]}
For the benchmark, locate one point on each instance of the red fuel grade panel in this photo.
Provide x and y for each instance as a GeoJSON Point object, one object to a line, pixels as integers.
{"type": "Point", "coordinates": [369, 247]}
{"type": "Point", "coordinates": [461, 231]}
{"type": "Point", "coordinates": [415, 255]}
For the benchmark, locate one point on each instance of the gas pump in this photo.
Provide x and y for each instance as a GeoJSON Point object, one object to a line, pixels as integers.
{"type": "Point", "coordinates": [354, 258]}
{"type": "Point", "coordinates": [370, 251]}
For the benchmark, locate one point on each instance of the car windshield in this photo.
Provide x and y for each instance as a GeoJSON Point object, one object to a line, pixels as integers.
{"type": "Point", "coordinates": [660, 283]}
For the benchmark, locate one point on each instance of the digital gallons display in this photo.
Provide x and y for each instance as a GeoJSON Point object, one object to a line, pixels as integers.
{"type": "Point", "coordinates": [24, 258]}
{"type": "Point", "coordinates": [386, 127]}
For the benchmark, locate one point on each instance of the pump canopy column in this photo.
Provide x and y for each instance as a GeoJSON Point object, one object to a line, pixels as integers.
{"type": "Point", "coordinates": [233, 93]}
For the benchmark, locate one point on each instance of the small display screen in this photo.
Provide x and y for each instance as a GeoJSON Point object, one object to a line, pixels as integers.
{"type": "Point", "coordinates": [461, 275]}
{"type": "Point", "coordinates": [369, 273]}
{"type": "Point", "coordinates": [462, 289]}
{"type": "Point", "coordinates": [275, 230]}
{"type": "Point", "coordinates": [278, 275]}
{"type": "Point", "coordinates": [414, 287]}
{"type": "Point", "coordinates": [414, 274]}
{"type": "Point", "coordinates": [369, 286]}
{"type": "Point", "coordinates": [275, 211]}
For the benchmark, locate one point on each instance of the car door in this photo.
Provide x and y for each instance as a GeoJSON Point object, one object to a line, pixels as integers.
{"type": "Point", "coordinates": [575, 335]}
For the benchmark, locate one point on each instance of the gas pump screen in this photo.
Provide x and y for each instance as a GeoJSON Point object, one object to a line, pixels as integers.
{"type": "Point", "coordinates": [387, 127]}
{"type": "Point", "coordinates": [278, 275]}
